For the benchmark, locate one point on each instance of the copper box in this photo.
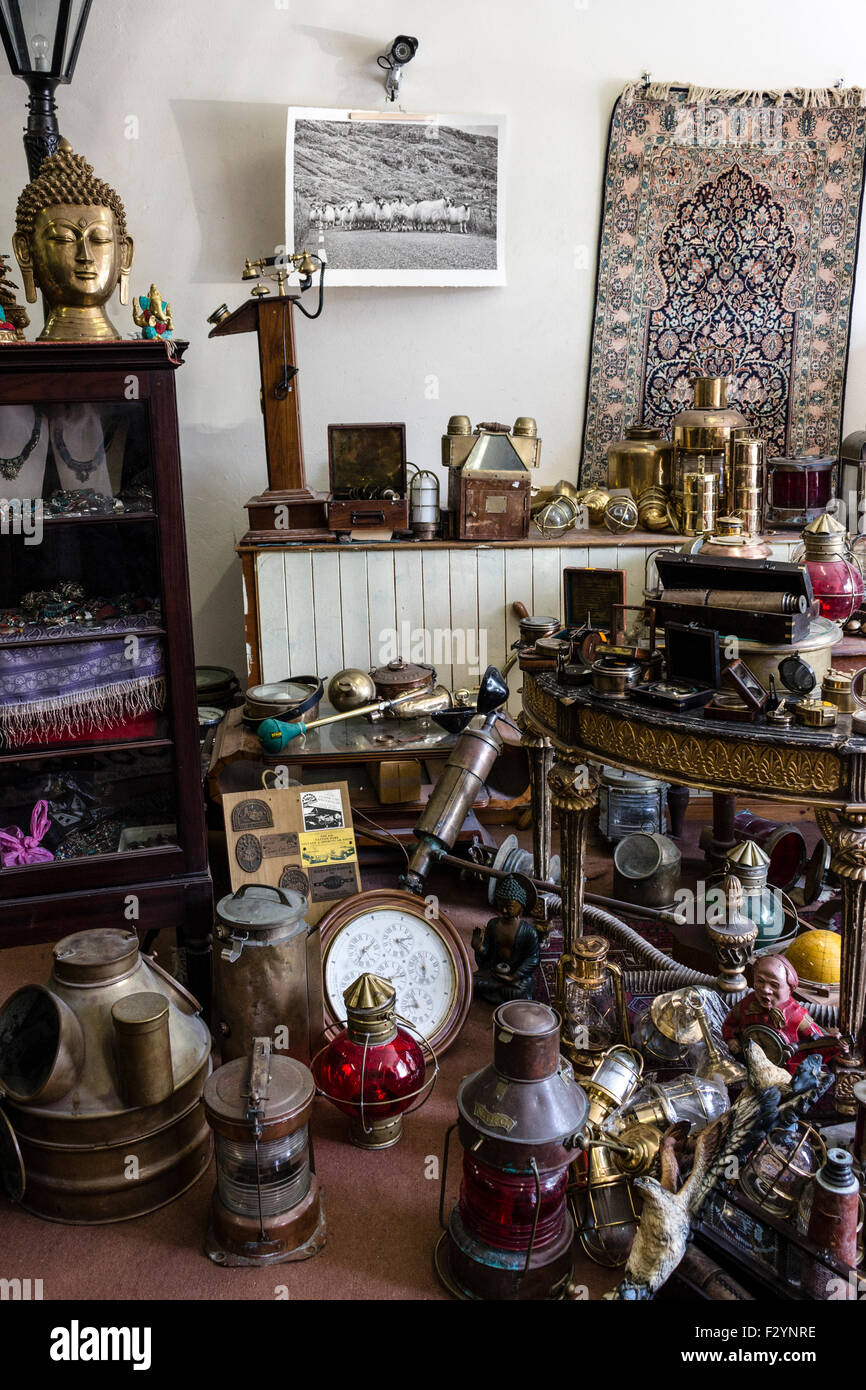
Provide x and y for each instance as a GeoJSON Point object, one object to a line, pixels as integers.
{"type": "Point", "coordinates": [488, 509]}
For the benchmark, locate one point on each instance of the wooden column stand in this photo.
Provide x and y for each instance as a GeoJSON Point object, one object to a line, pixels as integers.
{"type": "Point", "coordinates": [287, 505]}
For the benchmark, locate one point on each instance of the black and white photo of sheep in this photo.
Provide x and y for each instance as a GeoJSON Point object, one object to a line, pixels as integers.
{"type": "Point", "coordinates": [397, 200]}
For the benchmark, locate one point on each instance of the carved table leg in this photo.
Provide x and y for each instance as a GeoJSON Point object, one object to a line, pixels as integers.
{"type": "Point", "coordinates": [539, 751]}
{"type": "Point", "coordinates": [574, 792]}
{"type": "Point", "coordinates": [717, 839]}
{"type": "Point", "coordinates": [848, 843]}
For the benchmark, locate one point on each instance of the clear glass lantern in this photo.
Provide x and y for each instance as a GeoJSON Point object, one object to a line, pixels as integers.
{"type": "Point", "coordinates": [267, 1206]}
{"type": "Point", "coordinates": [592, 998]}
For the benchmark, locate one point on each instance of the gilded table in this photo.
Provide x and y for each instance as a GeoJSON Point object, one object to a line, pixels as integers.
{"type": "Point", "coordinates": [564, 729]}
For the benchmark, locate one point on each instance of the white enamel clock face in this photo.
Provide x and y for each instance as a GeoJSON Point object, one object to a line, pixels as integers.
{"type": "Point", "coordinates": [404, 948]}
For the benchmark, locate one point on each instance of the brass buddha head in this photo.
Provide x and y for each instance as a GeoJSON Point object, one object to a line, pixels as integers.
{"type": "Point", "coordinates": [71, 242]}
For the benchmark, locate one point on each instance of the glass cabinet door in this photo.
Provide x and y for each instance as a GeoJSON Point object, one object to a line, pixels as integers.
{"type": "Point", "coordinates": [85, 735]}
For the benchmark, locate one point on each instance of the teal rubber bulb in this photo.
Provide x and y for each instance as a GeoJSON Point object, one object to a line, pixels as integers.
{"type": "Point", "coordinates": [277, 734]}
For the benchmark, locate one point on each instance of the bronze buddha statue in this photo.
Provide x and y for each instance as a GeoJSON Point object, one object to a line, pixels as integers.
{"type": "Point", "coordinates": [71, 243]}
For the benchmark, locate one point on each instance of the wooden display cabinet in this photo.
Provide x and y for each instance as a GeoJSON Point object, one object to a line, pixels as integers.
{"type": "Point", "coordinates": [125, 794]}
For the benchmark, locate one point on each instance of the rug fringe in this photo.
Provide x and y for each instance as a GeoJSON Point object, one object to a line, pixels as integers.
{"type": "Point", "coordinates": [775, 96]}
{"type": "Point", "coordinates": [81, 711]}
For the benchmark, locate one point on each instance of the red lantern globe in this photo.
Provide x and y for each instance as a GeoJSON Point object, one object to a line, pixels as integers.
{"type": "Point", "coordinates": [510, 1234]}
{"type": "Point", "coordinates": [836, 577]}
{"type": "Point", "coordinates": [373, 1069]}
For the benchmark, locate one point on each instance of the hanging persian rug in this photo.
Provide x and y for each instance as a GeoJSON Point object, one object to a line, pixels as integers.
{"type": "Point", "coordinates": [728, 245]}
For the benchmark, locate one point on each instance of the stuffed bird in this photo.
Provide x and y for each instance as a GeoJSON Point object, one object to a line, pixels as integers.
{"type": "Point", "coordinates": [667, 1216]}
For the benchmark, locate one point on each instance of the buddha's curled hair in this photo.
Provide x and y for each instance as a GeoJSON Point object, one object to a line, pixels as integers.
{"type": "Point", "coordinates": [66, 177]}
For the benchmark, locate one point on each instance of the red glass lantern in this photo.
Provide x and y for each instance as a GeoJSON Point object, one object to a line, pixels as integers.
{"type": "Point", "coordinates": [782, 841]}
{"type": "Point", "coordinates": [510, 1234]}
{"type": "Point", "coordinates": [836, 577]}
{"type": "Point", "coordinates": [798, 490]}
{"type": "Point", "coordinates": [373, 1069]}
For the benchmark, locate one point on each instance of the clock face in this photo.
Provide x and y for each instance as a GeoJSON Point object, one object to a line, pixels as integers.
{"type": "Point", "coordinates": [425, 961]}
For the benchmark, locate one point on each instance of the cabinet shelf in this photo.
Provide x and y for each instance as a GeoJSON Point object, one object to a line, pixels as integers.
{"type": "Point", "coordinates": [94, 636]}
{"type": "Point", "coordinates": [42, 752]}
{"type": "Point", "coordinates": [111, 518]}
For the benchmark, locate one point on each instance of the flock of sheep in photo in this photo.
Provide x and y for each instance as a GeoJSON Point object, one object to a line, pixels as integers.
{"type": "Point", "coordinates": [393, 215]}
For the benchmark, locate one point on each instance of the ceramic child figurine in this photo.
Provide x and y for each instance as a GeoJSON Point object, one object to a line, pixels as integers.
{"type": "Point", "coordinates": [507, 951]}
{"type": "Point", "coordinates": [769, 1004]}
{"type": "Point", "coordinates": [72, 244]}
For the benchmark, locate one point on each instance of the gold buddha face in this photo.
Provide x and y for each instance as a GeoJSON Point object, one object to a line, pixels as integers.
{"type": "Point", "coordinates": [77, 254]}
{"type": "Point", "coordinates": [71, 243]}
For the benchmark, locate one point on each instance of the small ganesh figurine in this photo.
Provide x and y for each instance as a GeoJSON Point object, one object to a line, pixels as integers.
{"type": "Point", "coordinates": [507, 951]}
{"type": "Point", "coordinates": [770, 1004]}
{"type": "Point", "coordinates": [152, 314]}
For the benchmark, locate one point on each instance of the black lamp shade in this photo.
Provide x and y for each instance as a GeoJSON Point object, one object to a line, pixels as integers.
{"type": "Point", "coordinates": [42, 37]}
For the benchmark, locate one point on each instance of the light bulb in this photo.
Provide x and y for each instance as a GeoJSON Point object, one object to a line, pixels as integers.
{"type": "Point", "coordinates": [40, 48]}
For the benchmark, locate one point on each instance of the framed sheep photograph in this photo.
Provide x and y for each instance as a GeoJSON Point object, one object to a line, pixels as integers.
{"type": "Point", "coordinates": [397, 199]}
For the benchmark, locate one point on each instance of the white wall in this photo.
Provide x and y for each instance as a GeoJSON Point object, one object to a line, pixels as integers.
{"type": "Point", "coordinates": [203, 185]}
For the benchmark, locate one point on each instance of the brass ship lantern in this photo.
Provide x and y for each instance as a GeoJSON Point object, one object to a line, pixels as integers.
{"type": "Point", "coordinates": [782, 1166]}
{"type": "Point", "coordinates": [676, 1021]}
{"type": "Point", "coordinates": [689, 1099]}
{"type": "Point", "coordinates": [267, 1206]}
{"type": "Point", "coordinates": [424, 510]}
{"type": "Point", "coordinates": [708, 428]}
{"type": "Point", "coordinates": [602, 1200]}
{"type": "Point", "coordinates": [591, 998]}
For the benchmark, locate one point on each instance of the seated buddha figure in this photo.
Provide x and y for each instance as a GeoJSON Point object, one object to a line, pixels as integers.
{"type": "Point", "coordinates": [507, 951]}
{"type": "Point", "coordinates": [71, 243]}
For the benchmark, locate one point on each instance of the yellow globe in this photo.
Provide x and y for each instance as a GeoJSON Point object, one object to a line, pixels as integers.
{"type": "Point", "coordinates": [817, 956]}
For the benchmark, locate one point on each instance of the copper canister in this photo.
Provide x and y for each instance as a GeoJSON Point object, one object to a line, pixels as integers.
{"type": "Point", "coordinates": [267, 973]}
{"type": "Point", "coordinates": [642, 459]}
{"type": "Point", "coordinates": [143, 1048]}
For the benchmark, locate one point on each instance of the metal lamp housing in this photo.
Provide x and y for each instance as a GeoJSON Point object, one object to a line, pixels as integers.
{"type": "Point", "coordinates": [43, 50]}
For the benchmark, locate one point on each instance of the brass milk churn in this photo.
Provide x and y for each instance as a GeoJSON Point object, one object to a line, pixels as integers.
{"type": "Point", "coordinates": [642, 458]}
{"type": "Point", "coordinates": [267, 973]}
{"type": "Point", "coordinates": [709, 427]}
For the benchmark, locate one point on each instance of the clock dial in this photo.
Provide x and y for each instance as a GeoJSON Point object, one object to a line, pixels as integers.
{"type": "Point", "coordinates": [388, 934]}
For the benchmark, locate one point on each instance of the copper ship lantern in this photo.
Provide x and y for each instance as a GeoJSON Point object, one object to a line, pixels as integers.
{"type": "Point", "coordinates": [267, 1205]}
{"type": "Point", "coordinates": [105, 1062]}
{"type": "Point", "coordinates": [510, 1234]}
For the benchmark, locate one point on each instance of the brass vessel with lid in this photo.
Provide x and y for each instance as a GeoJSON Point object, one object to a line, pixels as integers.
{"type": "Point", "coordinates": [708, 427]}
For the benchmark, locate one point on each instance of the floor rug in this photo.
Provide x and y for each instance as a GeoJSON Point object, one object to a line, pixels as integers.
{"type": "Point", "coordinates": [729, 234]}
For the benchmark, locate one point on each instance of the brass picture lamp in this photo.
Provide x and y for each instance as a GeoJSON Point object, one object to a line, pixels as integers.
{"type": "Point", "coordinates": [42, 43]}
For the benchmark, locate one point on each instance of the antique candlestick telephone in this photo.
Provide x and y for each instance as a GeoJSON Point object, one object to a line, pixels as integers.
{"type": "Point", "coordinates": [287, 504]}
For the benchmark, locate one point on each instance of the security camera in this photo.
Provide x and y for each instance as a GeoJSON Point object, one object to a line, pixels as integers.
{"type": "Point", "coordinates": [401, 52]}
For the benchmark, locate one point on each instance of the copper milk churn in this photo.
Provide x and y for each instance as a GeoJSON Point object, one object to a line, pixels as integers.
{"type": "Point", "coordinates": [267, 973]}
